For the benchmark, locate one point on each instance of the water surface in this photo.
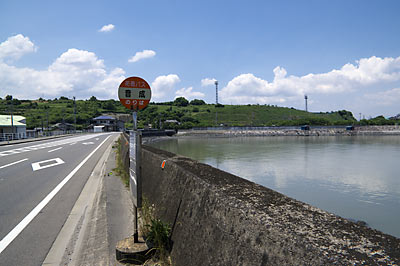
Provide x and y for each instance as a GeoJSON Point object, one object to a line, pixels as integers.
{"type": "Point", "coordinates": [353, 177]}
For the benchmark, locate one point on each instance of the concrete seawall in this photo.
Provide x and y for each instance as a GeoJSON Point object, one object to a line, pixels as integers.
{"type": "Point", "coordinates": [221, 219]}
{"type": "Point", "coordinates": [293, 131]}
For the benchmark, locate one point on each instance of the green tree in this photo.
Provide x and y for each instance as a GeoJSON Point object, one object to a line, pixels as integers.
{"type": "Point", "coordinates": [181, 101]}
{"type": "Point", "coordinates": [109, 105]}
{"type": "Point", "coordinates": [379, 120]}
{"type": "Point", "coordinates": [15, 101]}
{"type": "Point", "coordinates": [197, 102]}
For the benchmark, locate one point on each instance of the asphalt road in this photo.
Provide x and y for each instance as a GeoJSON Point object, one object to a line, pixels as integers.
{"type": "Point", "coordinates": [39, 184]}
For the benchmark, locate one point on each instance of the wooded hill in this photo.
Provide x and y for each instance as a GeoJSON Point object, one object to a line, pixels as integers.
{"type": "Point", "coordinates": [195, 113]}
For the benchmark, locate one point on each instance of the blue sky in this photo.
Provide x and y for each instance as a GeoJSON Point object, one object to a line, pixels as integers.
{"type": "Point", "coordinates": [342, 54]}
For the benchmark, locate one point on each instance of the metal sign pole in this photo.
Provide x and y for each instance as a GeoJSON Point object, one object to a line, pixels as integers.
{"type": "Point", "coordinates": [135, 207]}
{"type": "Point", "coordinates": [134, 115]}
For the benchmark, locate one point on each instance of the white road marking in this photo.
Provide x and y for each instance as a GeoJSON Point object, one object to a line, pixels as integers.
{"type": "Point", "coordinates": [5, 153]}
{"type": "Point", "coordinates": [4, 166]}
{"type": "Point", "coordinates": [55, 149]}
{"type": "Point", "coordinates": [36, 166]}
{"type": "Point", "coordinates": [24, 223]}
{"type": "Point", "coordinates": [47, 145]}
{"type": "Point", "coordinates": [88, 143]}
{"type": "Point", "coordinates": [72, 143]}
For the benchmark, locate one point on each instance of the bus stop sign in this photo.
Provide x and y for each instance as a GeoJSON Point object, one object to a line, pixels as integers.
{"type": "Point", "coordinates": [134, 93]}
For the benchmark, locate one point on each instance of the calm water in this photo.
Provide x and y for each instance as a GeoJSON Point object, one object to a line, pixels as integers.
{"type": "Point", "coordinates": [353, 177]}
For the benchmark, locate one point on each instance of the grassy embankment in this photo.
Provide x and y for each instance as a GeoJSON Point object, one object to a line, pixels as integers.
{"type": "Point", "coordinates": [248, 115]}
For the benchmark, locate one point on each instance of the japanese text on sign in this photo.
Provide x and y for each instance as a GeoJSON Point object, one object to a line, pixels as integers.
{"type": "Point", "coordinates": [135, 84]}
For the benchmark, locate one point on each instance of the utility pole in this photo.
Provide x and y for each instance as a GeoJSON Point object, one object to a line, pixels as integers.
{"type": "Point", "coordinates": [47, 115]}
{"type": "Point", "coordinates": [216, 92]}
{"type": "Point", "coordinates": [12, 118]}
{"type": "Point", "coordinates": [42, 124]}
{"type": "Point", "coordinates": [12, 121]}
{"type": "Point", "coordinates": [63, 121]}
{"type": "Point", "coordinates": [216, 102]}
{"type": "Point", "coordinates": [306, 98]}
{"type": "Point", "coordinates": [74, 116]}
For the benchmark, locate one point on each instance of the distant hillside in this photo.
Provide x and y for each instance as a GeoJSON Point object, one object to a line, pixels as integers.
{"type": "Point", "coordinates": [246, 115]}
{"type": "Point", "coordinates": [188, 114]}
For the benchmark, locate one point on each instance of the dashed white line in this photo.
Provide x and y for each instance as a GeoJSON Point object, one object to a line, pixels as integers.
{"type": "Point", "coordinates": [55, 149]}
{"type": "Point", "coordinates": [4, 166]}
{"type": "Point", "coordinates": [24, 223]}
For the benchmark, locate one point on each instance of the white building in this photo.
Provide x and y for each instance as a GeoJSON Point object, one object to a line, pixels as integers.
{"type": "Point", "coordinates": [16, 126]}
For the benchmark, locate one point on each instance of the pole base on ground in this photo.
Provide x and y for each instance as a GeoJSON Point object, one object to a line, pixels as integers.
{"type": "Point", "coordinates": [129, 251]}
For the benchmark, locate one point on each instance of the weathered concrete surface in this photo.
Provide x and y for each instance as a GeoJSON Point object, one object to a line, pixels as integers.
{"type": "Point", "coordinates": [221, 219]}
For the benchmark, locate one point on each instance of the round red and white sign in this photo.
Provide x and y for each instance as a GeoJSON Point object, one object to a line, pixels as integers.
{"type": "Point", "coordinates": [134, 93]}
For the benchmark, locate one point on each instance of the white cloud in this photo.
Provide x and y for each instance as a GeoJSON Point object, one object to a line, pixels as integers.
{"type": "Point", "coordinates": [15, 47]}
{"type": "Point", "coordinates": [75, 73]}
{"type": "Point", "coordinates": [207, 82]}
{"type": "Point", "coordinates": [142, 55]}
{"type": "Point", "coordinates": [108, 85]}
{"type": "Point", "coordinates": [189, 94]}
{"type": "Point", "coordinates": [107, 28]}
{"type": "Point", "coordinates": [280, 73]}
{"type": "Point", "coordinates": [247, 88]}
{"type": "Point", "coordinates": [162, 86]}
{"type": "Point", "coordinates": [384, 98]}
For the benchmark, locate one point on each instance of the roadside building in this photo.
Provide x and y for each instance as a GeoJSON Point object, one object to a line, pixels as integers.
{"type": "Point", "coordinates": [12, 128]}
{"type": "Point", "coordinates": [63, 126]}
{"type": "Point", "coordinates": [109, 123]}
{"type": "Point", "coordinates": [172, 121]}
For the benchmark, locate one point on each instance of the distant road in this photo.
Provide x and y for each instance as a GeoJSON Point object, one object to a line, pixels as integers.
{"type": "Point", "coordinates": [39, 184]}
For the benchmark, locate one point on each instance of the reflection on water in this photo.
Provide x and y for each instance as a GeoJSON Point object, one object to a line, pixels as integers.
{"type": "Point", "coordinates": [353, 177]}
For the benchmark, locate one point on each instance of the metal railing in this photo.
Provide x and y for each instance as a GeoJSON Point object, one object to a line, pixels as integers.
{"type": "Point", "coordinates": [31, 135]}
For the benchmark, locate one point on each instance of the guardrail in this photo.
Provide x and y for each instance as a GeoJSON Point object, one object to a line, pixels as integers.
{"type": "Point", "coordinates": [31, 135]}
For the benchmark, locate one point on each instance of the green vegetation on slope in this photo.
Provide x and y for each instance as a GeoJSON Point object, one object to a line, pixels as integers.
{"type": "Point", "coordinates": [38, 112]}
{"type": "Point", "coordinates": [195, 113]}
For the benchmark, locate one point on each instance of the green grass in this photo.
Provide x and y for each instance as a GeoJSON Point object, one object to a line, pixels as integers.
{"type": "Point", "coordinates": [120, 170]}
{"type": "Point", "coordinates": [253, 115]}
